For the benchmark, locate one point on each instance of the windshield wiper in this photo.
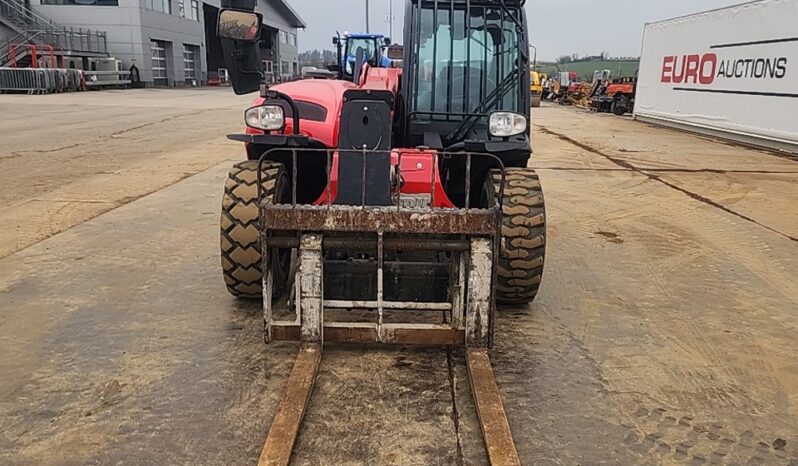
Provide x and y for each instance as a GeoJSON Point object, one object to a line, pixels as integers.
{"type": "Point", "coordinates": [489, 101]}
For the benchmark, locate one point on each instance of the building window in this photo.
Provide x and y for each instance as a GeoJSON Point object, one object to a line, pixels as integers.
{"type": "Point", "coordinates": [159, 72]}
{"type": "Point", "coordinates": [195, 10]}
{"type": "Point", "coordinates": [189, 62]}
{"type": "Point", "coordinates": [181, 8]}
{"type": "Point", "coordinates": [283, 37]}
{"type": "Point", "coordinates": [82, 2]}
{"type": "Point", "coordinates": [164, 6]}
{"type": "Point", "coordinates": [284, 68]}
{"type": "Point", "coordinates": [292, 39]}
{"type": "Point", "coordinates": [296, 68]}
{"type": "Point", "coordinates": [268, 70]}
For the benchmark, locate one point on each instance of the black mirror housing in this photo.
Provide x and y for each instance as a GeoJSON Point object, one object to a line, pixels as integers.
{"type": "Point", "coordinates": [239, 31]}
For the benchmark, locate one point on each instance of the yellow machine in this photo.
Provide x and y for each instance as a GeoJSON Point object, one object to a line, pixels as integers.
{"type": "Point", "coordinates": [535, 87]}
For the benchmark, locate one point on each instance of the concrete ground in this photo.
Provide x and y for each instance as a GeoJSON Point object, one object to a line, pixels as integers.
{"type": "Point", "coordinates": [665, 330]}
{"type": "Point", "coordinates": [66, 158]}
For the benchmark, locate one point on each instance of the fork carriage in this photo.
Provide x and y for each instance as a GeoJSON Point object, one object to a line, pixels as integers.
{"type": "Point", "coordinates": [399, 258]}
{"type": "Point", "coordinates": [469, 307]}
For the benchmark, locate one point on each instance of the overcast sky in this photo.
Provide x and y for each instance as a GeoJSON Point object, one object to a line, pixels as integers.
{"type": "Point", "coordinates": [586, 27]}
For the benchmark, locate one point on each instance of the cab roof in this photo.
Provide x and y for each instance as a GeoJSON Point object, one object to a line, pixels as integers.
{"type": "Point", "coordinates": [363, 36]}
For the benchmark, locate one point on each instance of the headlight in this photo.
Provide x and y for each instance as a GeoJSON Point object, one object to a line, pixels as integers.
{"type": "Point", "coordinates": [265, 117]}
{"type": "Point", "coordinates": [506, 124]}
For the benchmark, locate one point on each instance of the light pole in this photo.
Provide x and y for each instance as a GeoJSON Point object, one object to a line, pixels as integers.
{"type": "Point", "coordinates": [390, 19]}
{"type": "Point", "coordinates": [367, 16]}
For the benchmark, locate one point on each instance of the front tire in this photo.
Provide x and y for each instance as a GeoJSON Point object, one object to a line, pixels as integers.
{"type": "Point", "coordinates": [240, 229]}
{"type": "Point", "coordinates": [520, 267]}
{"type": "Point", "coordinates": [620, 105]}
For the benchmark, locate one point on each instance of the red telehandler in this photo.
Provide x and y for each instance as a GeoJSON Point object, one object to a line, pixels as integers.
{"type": "Point", "coordinates": [401, 193]}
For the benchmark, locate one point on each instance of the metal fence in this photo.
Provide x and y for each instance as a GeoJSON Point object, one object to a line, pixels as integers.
{"type": "Point", "coordinates": [41, 80]}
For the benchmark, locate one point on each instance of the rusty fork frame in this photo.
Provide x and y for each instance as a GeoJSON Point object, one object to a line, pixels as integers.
{"type": "Point", "coordinates": [471, 235]}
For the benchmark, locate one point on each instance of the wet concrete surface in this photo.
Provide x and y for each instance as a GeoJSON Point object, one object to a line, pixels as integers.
{"type": "Point", "coordinates": [664, 331]}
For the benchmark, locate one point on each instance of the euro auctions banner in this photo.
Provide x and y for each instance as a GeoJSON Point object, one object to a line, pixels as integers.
{"type": "Point", "coordinates": [733, 70]}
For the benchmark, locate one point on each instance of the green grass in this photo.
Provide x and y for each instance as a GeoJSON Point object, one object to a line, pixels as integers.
{"type": "Point", "coordinates": [586, 69]}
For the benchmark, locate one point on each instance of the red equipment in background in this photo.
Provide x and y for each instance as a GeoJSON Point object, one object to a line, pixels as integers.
{"type": "Point", "coordinates": [12, 54]}
{"type": "Point", "coordinates": [55, 60]}
{"type": "Point", "coordinates": [617, 97]}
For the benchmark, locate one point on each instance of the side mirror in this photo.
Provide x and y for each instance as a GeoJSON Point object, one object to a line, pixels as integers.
{"type": "Point", "coordinates": [335, 40]}
{"type": "Point", "coordinates": [239, 25]}
{"type": "Point", "coordinates": [386, 41]}
{"type": "Point", "coordinates": [239, 32]}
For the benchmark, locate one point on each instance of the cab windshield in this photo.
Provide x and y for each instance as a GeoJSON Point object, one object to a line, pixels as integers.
{"type": "Point", "coordinates": [369, 47]}
{"type": "Point", "coordinates": [466, 59]}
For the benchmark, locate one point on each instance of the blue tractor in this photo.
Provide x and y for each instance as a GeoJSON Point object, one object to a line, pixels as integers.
{"type": "Point", "coordinates": [374, 48]}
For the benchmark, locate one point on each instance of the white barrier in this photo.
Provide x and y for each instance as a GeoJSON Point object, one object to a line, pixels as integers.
{"type": "Point", "coordinates": [731, 72]}
{"type": "Point", "coordinates": [41, 80]}
{"type": "Point", "coordinates": [98, 79]}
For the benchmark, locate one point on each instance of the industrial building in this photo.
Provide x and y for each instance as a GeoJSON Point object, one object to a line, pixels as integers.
{"type": "Point", "coordinates": [172, 43]}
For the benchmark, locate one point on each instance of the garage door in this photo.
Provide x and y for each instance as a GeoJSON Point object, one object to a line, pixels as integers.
{"type": "Point", "coordinates": [159, 71]}
{"type": "Point", "coordinates": [190, 56]}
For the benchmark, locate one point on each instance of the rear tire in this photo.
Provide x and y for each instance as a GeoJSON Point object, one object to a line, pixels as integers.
{"type": "Point", "coordinates": [535, 100]}
{"type": "Point", "coordinates": [240, 229]}
{"type": "Point", "coordinates": [520, 267]}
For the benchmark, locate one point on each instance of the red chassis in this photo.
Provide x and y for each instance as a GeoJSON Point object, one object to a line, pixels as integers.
{"type": "Point", "coordinates": [419, 167]}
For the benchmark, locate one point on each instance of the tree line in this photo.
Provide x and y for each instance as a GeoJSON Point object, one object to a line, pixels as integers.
{"type": "Point", "coordinates": [317, 58]}
{"type": "Point", "coordinates": [576, 58]}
